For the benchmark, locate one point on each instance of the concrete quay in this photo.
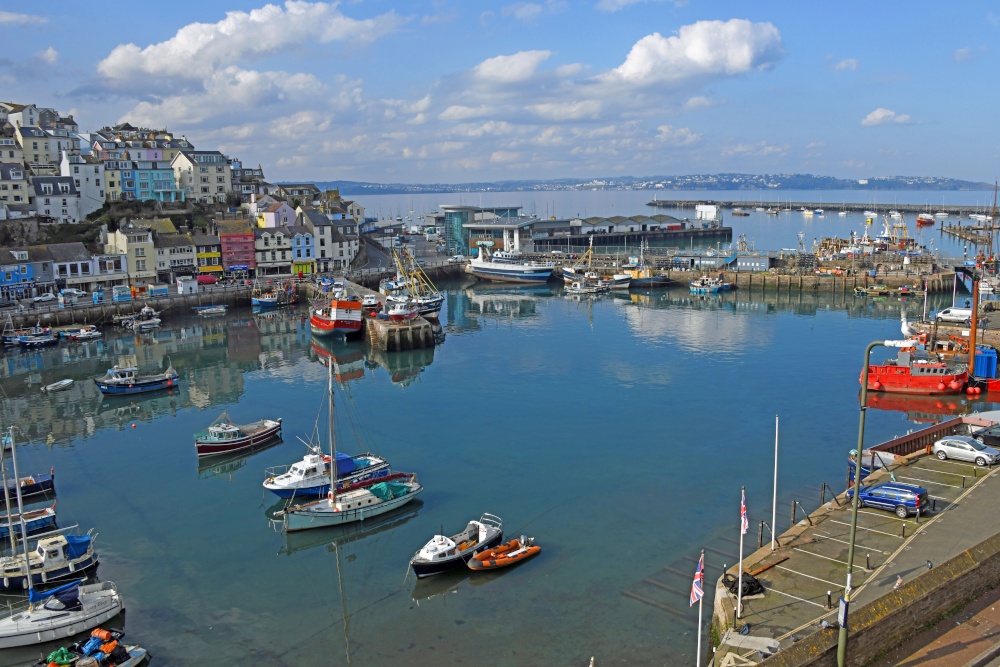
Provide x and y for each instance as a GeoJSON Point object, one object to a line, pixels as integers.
{"type": "Point", "coordinates": [907, 572]}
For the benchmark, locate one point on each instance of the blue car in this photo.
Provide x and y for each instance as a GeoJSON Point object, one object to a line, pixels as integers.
{"type": "Point", "coordinates": [903, 499]}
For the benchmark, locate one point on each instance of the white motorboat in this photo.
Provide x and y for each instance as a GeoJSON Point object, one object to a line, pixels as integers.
{"type": "Point", "coordinates": [60, 613]}
{"type": "Point", "coordinates": [442, 553]}
{"type": "Point", "coordinates": [58, 386]}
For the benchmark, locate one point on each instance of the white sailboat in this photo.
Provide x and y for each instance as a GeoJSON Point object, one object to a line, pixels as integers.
{"type": "Point", "coordinates": [59, 613]}
{"type": "Point", "coordinates": [359, 502]}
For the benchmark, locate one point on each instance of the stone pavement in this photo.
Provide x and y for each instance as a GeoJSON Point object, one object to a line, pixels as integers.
{"type": "Point", "coordinates": [968, 638]}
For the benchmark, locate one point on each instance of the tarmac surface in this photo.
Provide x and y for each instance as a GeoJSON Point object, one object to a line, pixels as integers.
{"type": "Point", "coordinates": [807, 572]}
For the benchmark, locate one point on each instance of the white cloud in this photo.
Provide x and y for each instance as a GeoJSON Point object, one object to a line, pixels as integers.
{"type": "Point", "coordinates": [21, 19]}
{"type": "Point", "coordinates": [883, 116]}
{"type": "Point", "coordinates": [847, 64]}
{"type": "Point", "coordinates": [760, 149]}
{"type": "Point", "coordinates": [705, 48]}
{"type": "Point", "coordinates": [49, 56]}
{"type": "Point", "coordinates": [968, 53]}
{"type": "Point", "coordinates": [522, 11]}
{"type": "Point", "coordinates": [461, 112]}
{"type": "Point", "coordinates": [677, 136]}
{"type": "Point", "coordinates": [561, 111]}
{"type": "Point", "coordinates": [697, 102]}
{"type": "Point", "coordinates": [299, 125]}
{"type": "Point", "coordinates": [197, 49]}
{"type": "Point", "coordinates": [500, 157]}
{"type": "Point", "coordinates": [513, 68]}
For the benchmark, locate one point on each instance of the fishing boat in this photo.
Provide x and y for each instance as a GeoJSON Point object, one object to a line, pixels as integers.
{"type": "Point", "coordinates": [59, 613]}
{"type": "Point", "coordinates": [583, 270]}
{"type": "Point", "coordinates": [55, 560]}
{"type": "Point", "coordinates": [34, 521]}
{"type": "Point", "coordinates": [58, 386]}
{"type": "Point", "coordinates": [224, 437]}
{"type": "Point", "coordinates": [83, 333]}
{"type": "Point", "coordinates": [31, 486]}
{"type": "Point", "coordinates": [708, 285]}
{"type": "Point", "coordinates": [38, 339]}
{"type": "Point", "coordinates": [508, 265]}
{"type": "Point", "coordinates": [360, 501]}
{"type": "Point", "coordinates": [341, 316]}
{"type": "Point", "coordinates": [643, 276]}
{"type": "Point", "coordinates": [911, 373]}
{"type": "Point", "coordinates": [586, 287]}
{"type": "Point", "coordinates": [442, 552]}
{"type": "Point", "coordinates": [413, 284]}
{"type": "Point", "coordinates": [146, 313]}
{"type": "Point", "coordinates": [505, 555]}
{"type": "Point", "coordinates": [273, 296]}
{"type": "Point", "coordinates": [209, 311]}
{"type": "Point", "coordinates": [105, 647]}
{"type": "Point", "coordinates": [145, 325]}
{"type": "Point", "coordinates": [925, 219]}
{"type": "Point", "coordinates": [400, 311]}
{"type": "Point", "coordinates": [124, 380]}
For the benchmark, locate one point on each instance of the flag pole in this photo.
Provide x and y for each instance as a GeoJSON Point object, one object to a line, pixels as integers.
{"type": "Point", "coordinates": [774, 501]}
{"type": "Point", "coordinates": [701, 601]}
{"type": "Point", "coordinates": [739, 581]}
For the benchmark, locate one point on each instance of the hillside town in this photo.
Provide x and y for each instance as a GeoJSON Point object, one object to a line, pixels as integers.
{"type": "Point", "coordinates": [53, 174]}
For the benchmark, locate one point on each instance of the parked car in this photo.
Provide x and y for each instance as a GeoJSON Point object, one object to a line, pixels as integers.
{"type": "Point", "coordinates": [988, 436]}
{"type": "Point", "coordinates": [965, 448]}
{"type": "Point", "coordinates": [42, 298]}
{"type": "Point", "coordinates": [72, 291]}
{"type": "Point", "coordinates": [903, 499]}
{"type": "Point", "coordinates": [207, 279]}
{"type": "Point", "coordinates": [456, 259]}
{"type": "Point", "coordinates": [963, 315]}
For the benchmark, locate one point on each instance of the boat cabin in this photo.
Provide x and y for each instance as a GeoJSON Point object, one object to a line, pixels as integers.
{"type": "Point", "coordinates": [224, 432]}
{"type": "Point", "coordinates": [310, 466]}
{"type": "Point", "coordinates": [51, 553]}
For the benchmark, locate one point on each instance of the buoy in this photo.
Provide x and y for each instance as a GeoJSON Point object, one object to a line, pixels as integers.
{"type": "Point", "coordinates": [133, 424]}
{"type": "Point", "coordinates": [979, 390]}
{"type": "Point", "coordinates": [940, 386]}
{"type": "Point", "coordinates": [877, 385]}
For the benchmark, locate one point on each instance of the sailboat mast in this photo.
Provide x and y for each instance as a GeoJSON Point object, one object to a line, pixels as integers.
{"type": "Point", "coordinates": [331, 433]}
{"type": "Point", "coordinates": [20, 511]}
{"type": "Point", "coordinates": [6, 502]}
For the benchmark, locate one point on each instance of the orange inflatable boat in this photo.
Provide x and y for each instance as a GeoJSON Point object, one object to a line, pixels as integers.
{"type": "Point", "coordinates": [508, 553]}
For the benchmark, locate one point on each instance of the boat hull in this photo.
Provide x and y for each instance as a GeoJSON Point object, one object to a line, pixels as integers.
{"type": "Point", "coordinates": [34, 521]}
{"type": "Point", "coordinates": [138, 387]}
{"type": "Point", "coordinates": [899, 380]}
{"type": "Point", "coordinates": [340, 318]}
{"type": "Point", "coordinates": [373, 473]}
{"type": "Point", "coordinates": [322, 515]}
{"type": "Point", "coordinates": [430, 568]}
{"type": "Point", "coordinates": [101, 603]}
{"type": "Point", "coordinates": [510, 274]}
{"type": "Point", "coordinates": [208, 447]}
{"type": "Point", "coordinates": [80, 568]}
{"type": "Point", "coordinates": [40, 485]}
{"type": "Point", "coordinates": [510, 553]}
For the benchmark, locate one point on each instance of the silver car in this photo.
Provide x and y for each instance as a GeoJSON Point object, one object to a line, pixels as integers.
{"type": "Point", "coordinates": [964, 448]}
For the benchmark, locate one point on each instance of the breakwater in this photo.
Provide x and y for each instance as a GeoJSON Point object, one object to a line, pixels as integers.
{"type": "Point", "coordinates": [963, 211]}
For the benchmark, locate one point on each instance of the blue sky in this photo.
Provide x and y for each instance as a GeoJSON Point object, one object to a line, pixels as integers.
{"type": "Point", "coordinates": [449, 91]}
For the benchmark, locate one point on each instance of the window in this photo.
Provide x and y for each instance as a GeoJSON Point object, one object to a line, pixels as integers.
{"type": "Point", "coordinates": [140, 252]}
{"type": "Point", "coordinates": [140, 265]}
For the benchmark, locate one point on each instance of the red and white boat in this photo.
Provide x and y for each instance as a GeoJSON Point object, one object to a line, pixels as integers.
{"type": "Point", "coordinates": [925, 219]}
{"type": "Point", "coordinates": [912, 374]}
{"type": "Point", "coordinates": [400, 311]}
{"type": "Point", "coordinates": [342, 316]}
{"type": "Point", "coordinates": [223, 437]}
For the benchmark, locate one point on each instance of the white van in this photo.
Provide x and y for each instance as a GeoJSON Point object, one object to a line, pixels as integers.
{"type": "Point", "coordinates": [963, 315]}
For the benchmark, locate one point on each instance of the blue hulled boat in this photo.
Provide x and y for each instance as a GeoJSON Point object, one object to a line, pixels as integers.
{"type": "Point", "coordinates": [54, 560]}
{"type": "Point", "coordinates": [125, 380]}
{"type": "Point", "coordinates": [35, 485]}
{"type": "Point", "coordinates": [34, 521]}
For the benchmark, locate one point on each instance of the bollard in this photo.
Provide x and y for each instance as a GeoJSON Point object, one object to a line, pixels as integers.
{"type": "Point", "coordinates": [963, 481]}
{"type": "Point", "coordinates": [934, 504]}
{"type": "Point", "coordinates": [918, 515]}
{"type": "Point", "coordinates": [868, 562]}
{"type": "Point", "coordinates": [822, 495]}
{"type": "Point", "coordinates": [792, 520]}
{"type": "Point", "coordinates": [829, 599]}
{"type": "Point", "coordinates": [904, 531]}
{"type": "Point", "coordinates": [975, 471]}
{"type": "Point", "coordinates": [760, 536]}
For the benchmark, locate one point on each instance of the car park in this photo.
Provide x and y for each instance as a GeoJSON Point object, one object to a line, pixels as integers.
{"type": "Point", "coordinates": [42, 298]}
{"type": "Point", "coordinates": [72, 291]}
{"type": "Point", "coordinates": [903, 499]}
{"type": "Point", "coordinates": [965, 448]}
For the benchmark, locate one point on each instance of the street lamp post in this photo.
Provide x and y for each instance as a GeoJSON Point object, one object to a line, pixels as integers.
{"type": "Point", "coordinates": [846, 600]}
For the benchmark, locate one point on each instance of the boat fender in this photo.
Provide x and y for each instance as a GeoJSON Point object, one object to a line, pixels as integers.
{"type": "Point", "coordinates": [940, 386]}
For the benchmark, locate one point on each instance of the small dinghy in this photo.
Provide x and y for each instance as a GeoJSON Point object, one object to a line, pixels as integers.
{"type": "Point", "coordinates": [58, 386]}
{"type": "Point", "coordinates": [509, 553]}
{"type": "Point", "coordinates": [443, 553]}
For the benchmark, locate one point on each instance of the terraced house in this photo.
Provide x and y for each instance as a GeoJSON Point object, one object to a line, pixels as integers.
{"type": "Point", "coordinates": [203, 175]}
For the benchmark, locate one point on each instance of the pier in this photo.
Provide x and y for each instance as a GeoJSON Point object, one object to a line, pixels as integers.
{"type": "Point", "coordinates": [953, 211]}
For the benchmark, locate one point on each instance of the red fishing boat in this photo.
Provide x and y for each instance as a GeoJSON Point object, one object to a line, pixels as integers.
{"type": "Point", "coordinates": [342, 316]}
{"type": "Point", "coordinates": [909, 373]}
{"type": "Point", "coordinates": [925, 220]}
{"type": "Point", "coordinates": [401, 311]}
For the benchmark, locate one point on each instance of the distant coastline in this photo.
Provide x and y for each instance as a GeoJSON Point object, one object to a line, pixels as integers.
{"type": "Point", "coordinates": [706, 182]}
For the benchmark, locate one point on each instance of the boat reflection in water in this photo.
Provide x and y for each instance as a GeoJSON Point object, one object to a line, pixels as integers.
{"type": "Point", "coordinates": [226, 464]}
{"type": "Point", "coordinates": [348, 357]}
{"type": "Point", "coordinates": [508, 300]}
{"type": "Point", "coordinates": [930, 409]}
{"type": "Point", "coordinates": [122, 411]}
{"type": "Point", "coordinates": [447, 582]}
{"type": "Point", "coordinates": [404, 366]}
{"type": "Point", "coordinates": [338, 536]}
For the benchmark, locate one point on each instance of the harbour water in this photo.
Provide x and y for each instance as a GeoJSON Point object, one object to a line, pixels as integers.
{"type": "Point", "coordinates": [617, 431]}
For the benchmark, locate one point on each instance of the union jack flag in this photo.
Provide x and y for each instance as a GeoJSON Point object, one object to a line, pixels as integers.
{"type": "Point", "coordinates": [744, 524]}
{"type": "Point", "coordinates": [697, 591]}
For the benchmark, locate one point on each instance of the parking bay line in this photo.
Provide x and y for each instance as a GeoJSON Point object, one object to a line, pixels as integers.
{"type": "Point", "coordinates": [842, 562]}
{"type": "Point", "coordinates": [880, 532]}
{"type": "Point", "coordinates": [937, 472]}
{"type": "Point", "coordinates": [927, 481]}
{"type": "Point", "coordinates": [803, 574]}
{"type": "Point", "coordinates": [834, 539]}
{"type": "Point", "coordinates": [795, 597]}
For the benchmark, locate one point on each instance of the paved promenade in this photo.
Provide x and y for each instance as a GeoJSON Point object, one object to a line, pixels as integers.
{"type": "Point", "coordinates": [812, 559]}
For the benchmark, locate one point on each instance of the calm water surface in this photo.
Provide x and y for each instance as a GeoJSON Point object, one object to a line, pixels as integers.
{"type": "Point", "coordinates": [617, 431]}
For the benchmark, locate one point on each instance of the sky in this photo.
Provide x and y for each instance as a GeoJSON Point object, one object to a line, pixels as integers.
{"type": "Point", "coordinates": [451, 91]}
